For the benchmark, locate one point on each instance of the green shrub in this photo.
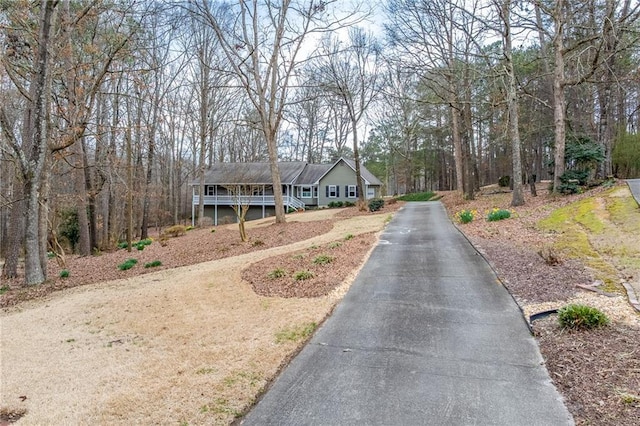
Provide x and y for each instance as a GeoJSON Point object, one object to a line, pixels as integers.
{"type": "Point", "coordinates": [349, 237]}
{"type": "Point", "coordinates": [466, 216]}
{"type": "Point", "coordinates": [64, 273]}
{"type": "Point", "coordinates": [416, 196]}
{"type": "Point", "coordinates": [376, 204]}
{"type": "Point", "coordinates": [575, 176]}
{"type": "Point", "coordinates": [140, 246]}
{"type": "Point", "coordinates": [146, 241]}
{"type": "Point", "coordinates": [576, 316]}
{"type": "Point", "coordinates": [4, 289]}
{"type": "Point", "coordinates": [153, 264]}
{"type": "Point", "coordinates": [277, 273]}
{"type": "Point", "coordinates": [334, 244]}
{"type": "Point", "coordinates": [50, 255]}
{"type": "Point", "coordinates": [123, 245]}
{"type": "Point", "coordinates": [127, 264]}
{"type": "Point", "coordinates": [568, 188]}
{"type": "Point", "coordinates": [498, 214]}
{"type": "Point", "coordinates": [335, 204]}
{"type": "Point", "coordinates": [349, 204]}
{"type": "Point", "coordinates": [322, 259]}
{"type": "Point", "coordinates": [504, 181]}
{"type": "Point", "coordinates": [303, 275]}
{"type": "Point", "coordinates": [69, 227]}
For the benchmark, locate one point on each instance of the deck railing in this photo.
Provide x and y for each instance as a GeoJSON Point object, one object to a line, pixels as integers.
{"type": "Point", "coordinates": [251, 200]}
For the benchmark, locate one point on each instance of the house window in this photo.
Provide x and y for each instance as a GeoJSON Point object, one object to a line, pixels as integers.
{"type": "Point", "coordinates": [209, 190]}
{"type": "Point", "coordinates": [332, 191]}
{"type": "Point", "coordinates": [352, 191]}
{"type": "Point", "coordinates": [306, 192]}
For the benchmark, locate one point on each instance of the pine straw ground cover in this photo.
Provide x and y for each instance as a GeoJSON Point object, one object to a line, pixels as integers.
{"type": "Point", "coordinates": [598, 371]}
{"type": "Point", "coordinates": [187, 345]}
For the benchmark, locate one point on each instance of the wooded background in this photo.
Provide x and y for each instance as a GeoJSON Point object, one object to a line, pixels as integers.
{"type": "Point", "coordinates": [110, 109]}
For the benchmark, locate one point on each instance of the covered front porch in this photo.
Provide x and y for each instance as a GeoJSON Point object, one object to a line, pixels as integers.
{"type": "Point", "coordinates": [257, 197]}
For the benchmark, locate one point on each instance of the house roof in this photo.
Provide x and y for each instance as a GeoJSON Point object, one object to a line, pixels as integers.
{"type": "Point", "coordinates": [252, 173]}
{"type": "Point", "coordinates": [366, 174]}
{"type": "Point", "coordinates": [368, 177]}
{"type": "Point", "coordinates": [312, 174]}
{"type": "Point", "coordinates": [291, 173]}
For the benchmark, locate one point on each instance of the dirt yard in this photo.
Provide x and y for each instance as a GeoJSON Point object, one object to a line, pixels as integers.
{"type": "Point", "coordinates": [188, 345]}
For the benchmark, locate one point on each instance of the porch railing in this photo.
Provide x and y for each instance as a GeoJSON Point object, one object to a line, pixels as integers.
{"type": "Point", "coordinates": [251, 200]}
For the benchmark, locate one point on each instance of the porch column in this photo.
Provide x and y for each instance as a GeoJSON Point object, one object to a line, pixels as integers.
{"type": "Point", "coordinates": [264, 201]}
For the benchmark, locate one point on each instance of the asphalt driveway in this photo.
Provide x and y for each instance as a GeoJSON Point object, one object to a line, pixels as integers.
{"type": "Point", "coordinates": [426, 335]}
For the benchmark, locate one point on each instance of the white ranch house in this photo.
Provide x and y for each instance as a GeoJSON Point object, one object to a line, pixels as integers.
{"type": "Point", "coordinates": [303, 185]}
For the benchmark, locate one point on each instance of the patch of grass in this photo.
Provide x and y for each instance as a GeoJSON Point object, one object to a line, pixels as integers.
{"type": "Point", "coordinates": [258, 243]}
{"type": "Point", "coordinates": [303, 275]}
{"type": "Point", "coordinates": [628, 398]}
{"type": "Point", "coordinates": [277, 273]}
{"type": "Point", "coordinates": [322, 259]}
{"type": "Point", "coordinates": [581, 212]}
{"type": "Point", "coordinates": [153, 264]}
{"type": "Point", "coordinates": [127, 264]}
{"type": "Point", "coordinates": [296, 333]}
{"type": "Point", "coordinates": [298, 256]}
{"type": "Point", "coordinates": [576, 223]}
{"type": "Point", "coordinates": [4, 289]}
{"type": "Point", "coordinates": [220, 406]}
{"type": "Point", "coordinates": [581, 317]}
{"type": "Point", "coordinates": [349, 237]}
{"type": "Point", "coordinates": [334, 245]}
{"type": "Point", "coordinates": [418, 196]}
{"type": "Point", "coordinates": [623, 211]}
{"type": "Point", "coordinates": [64, 273]}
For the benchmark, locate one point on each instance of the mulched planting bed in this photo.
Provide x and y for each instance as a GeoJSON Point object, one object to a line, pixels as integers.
{"type": "Point", "coordinates": [597, 371]}
{"type": "Point", "coordinates": [345, 255]}
{"type": "Point", "coordinates": [198, 245]}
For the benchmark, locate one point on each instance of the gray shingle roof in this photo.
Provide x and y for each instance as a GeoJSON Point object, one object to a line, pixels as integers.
{"type": "Point", "coordinates": [252, 173]}
{"type": "Point", "coordinates": [366, 174]}
{"type": "Point", "coordinates": [311, 173]}
{"type": "Point", "coordinates": [291, 172]}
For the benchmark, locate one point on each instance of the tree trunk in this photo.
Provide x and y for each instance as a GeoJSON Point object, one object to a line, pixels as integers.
{"type": "Point", "coordinates": [84, 243]}
{"type": "Point", "coordinates": [558, 97]}
{"type": "Point", "coordinates": [34, 273]}
{"type": "Point", "coordinates": [272, 149]}
{"type": "Point", "coordinates": [517, 196]}
{"type": "Point", "coordinates": [15, 232]}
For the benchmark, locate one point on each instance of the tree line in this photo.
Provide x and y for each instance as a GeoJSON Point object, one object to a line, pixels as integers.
{"type": "Point", "coordinates": [111, 111]}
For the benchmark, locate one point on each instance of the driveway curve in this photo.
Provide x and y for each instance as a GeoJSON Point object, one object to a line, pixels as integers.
{"type": "Point", "coordinates": [426, 335]}
{"type": "Point", "coordinates": [634, 187]}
